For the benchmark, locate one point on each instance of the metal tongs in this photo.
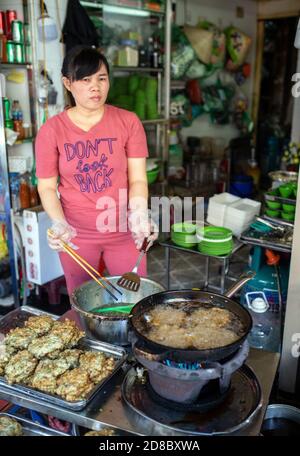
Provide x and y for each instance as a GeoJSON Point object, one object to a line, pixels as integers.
{"type": "Point", "coordinates": [271, 225]}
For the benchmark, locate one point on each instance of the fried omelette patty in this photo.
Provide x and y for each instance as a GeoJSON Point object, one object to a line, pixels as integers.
{"type": "Point", "coordinates": [74, 385]}
{"type": "Point", "coordinates": [103, 432]}
{"type": "Point", "coordinates": [46, 374]}
{"type": "Point", "coordinates": [49, 345]}
{"type": "Point", "coordinates": [97, 365]}
{"type": "Point", "coordinates": [20, 367]}
{"type": "Point", "coordinates": [71, 357]}
{"type": "Point", "coordinates": [10, 427]}
{"type": "Point", "coordinates": [6, 353]}
{"type": "Point", "coordinates": [40, 325]}
{"type": "Point", "coordinates": [20, 338]}
{"type": "Point", "coordinates": [68, 332]}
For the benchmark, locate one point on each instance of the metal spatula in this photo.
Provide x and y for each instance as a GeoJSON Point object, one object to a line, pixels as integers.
{"type": "Point", "coordinates": [131, 280]}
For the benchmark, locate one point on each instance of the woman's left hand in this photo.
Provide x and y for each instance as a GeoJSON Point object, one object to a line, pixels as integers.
{"type": "Point", "coordinates": [141, 227]}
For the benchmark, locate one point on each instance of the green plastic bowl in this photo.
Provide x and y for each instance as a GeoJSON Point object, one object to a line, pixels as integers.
{"type": "Point", "coordinates": [183, 228]}
{"type": "Point", "coordinates": [183, 244]}
{"type": "Point", "coordinates": [285, 190]}
{"type": "Point", "coordinates": [184, 234]}
{"type": "Point", "coordinates": [288, 216]}
{"type": "Point", "coordinates": [295, 189]}
{"type": "Point", "coordinates": [273, 204]}
{"type": "Point", "coordinates": [273, 192]}
{"type": "Point", "coordinates": [214, 233]}
{"type": "Point", "coordinates": [289, 208]}
{"type": "Point", "coordinates": [272, 213]}
{"type": "Point", "coordinates": [152, 175]}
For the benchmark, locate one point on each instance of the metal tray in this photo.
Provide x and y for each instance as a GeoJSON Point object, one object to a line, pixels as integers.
{"type": "Point", "coordinates": [279, 221]}
{"type": "Point", "coordinates": [17, 318]}
{"type": "Point", "coordinates": [280, 199]}
{"type": "Point", "coordinates": [250, 237]}
{"type": "Point", "coordinates": [30, 428]}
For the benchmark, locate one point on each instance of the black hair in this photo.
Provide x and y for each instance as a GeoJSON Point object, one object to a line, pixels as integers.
{"type": "Point", "coordinates": [82, 61]}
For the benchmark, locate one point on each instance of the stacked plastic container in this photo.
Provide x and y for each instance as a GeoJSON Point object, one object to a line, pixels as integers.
{"type": "Point", "coordinates": [232, 212]}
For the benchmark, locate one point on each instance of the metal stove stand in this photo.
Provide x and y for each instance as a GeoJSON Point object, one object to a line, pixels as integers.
{"type": "Point", "coordinates": [107, 409]}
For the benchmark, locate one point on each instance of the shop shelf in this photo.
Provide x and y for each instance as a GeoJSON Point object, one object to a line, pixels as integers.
{"type": "Point", "coordinates": [138, 69]}
{"type": "Point", "coordinates": [23, 141]}
{"type": "Point", "coordinates": [122, 9]}
{"type": "Point", "coordinates": [155, 121]}
{"type": "Point", "coordinates": [280, 199]}
{"type": "Point", "coordinates": [15, 65]}
{"type": "Point", "coordinates": [279, 221]}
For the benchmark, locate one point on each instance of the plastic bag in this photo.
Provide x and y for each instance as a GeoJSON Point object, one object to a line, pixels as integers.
{"type": "Point", "coordinates": [217, 99]}
{"type": "Point", "coordinates": [194, 91]}
{"type": "Point", "coordinates": [219, 42]}
{"type": "Point", "coordinates": [196, 70]}
{"type": "Point", "coordinates": [181, 59]}
{"type": "Point", "coordinates": [238, 45]}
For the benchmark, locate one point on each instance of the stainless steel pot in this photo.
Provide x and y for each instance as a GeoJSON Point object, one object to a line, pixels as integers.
{"type": "Point", "coordinates": [112, 329]}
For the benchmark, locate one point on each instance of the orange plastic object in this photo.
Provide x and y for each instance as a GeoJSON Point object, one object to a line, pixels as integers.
{"type": "Point", "coordinates": [272, 258]}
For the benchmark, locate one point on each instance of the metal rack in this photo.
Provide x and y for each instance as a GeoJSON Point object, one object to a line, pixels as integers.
{"type": "Point", "coordinates": [6, 211]}
{"type": "Point", "coordinates": [161, 124]}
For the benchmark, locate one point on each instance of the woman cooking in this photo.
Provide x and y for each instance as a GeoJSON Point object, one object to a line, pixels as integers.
{"type": "Point", "coordinates": [98, 152]}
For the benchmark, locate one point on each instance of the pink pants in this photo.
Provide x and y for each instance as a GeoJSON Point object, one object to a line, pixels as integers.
{"type": "Point", "coordinates": [119, 254]}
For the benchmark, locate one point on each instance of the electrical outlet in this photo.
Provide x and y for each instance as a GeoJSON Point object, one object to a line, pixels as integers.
{"type": "Point", "coordinates": [239, 11]}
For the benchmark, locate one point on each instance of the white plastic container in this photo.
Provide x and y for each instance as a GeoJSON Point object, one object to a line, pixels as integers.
{"type": "Point", "coordinates": [235, 227]}
{"type": "Point", "coordinates": [217, 207]}
{"type": "Point", "coordinates": [243, 211]}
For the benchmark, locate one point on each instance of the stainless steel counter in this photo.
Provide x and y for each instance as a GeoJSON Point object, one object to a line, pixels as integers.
{"type": "Point", "coordinates": [107, 409]}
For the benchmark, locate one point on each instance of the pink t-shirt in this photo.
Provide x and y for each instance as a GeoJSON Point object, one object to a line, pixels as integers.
{"type": "Point", "coordinates": [90, 164]}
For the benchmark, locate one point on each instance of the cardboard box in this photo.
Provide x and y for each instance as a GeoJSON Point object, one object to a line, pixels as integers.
{"type": "Point", "coordinates": [42, 263]}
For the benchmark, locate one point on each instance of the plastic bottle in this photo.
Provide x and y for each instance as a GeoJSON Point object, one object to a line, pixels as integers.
{"type": "Point", "coordinates": [175, 154]}
{"type": "Point", "coordinates": [34, 199]}
{"type": "Point", "coordinates": [155, 63]}
{"type": "Point", "coordinates": [266, 329]}
{"type": "Point", "coordinates": [14, 188]}
{"type": "Point", "coordinates": [253, 169]}
{"type": "Point", "coordinates": [15, 109]}
{"type": "Point", "coordinates": [150, 51]}
{"type": "Point", "coordinates": [18, 128]}
{"type": "Point", "coordinates": [24, 192]}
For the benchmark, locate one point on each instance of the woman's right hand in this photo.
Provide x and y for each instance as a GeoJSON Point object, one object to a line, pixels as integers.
{"type": "Point", "coordinates": [61, 231]}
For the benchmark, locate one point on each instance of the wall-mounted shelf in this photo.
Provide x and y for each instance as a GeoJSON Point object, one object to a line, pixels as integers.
{"type": "Point", "coordinates": [22, 141]}
{"type": "Point", "coordinates": [6, 65]}
{"type": "Point", "coordinates": [126, 10]}
{"type": "Point", "coordinates": [138, 69]}
{"type": "Point", "coordinates": [155, 121]}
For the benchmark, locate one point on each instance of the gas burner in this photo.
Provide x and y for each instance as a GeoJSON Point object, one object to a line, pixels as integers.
{"type": "Point", "coordinates": [233, 415]}
{"type": "Point", "coordinates": [209, 398]}
{"type": "Point", "coordinates": [183, 382]}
